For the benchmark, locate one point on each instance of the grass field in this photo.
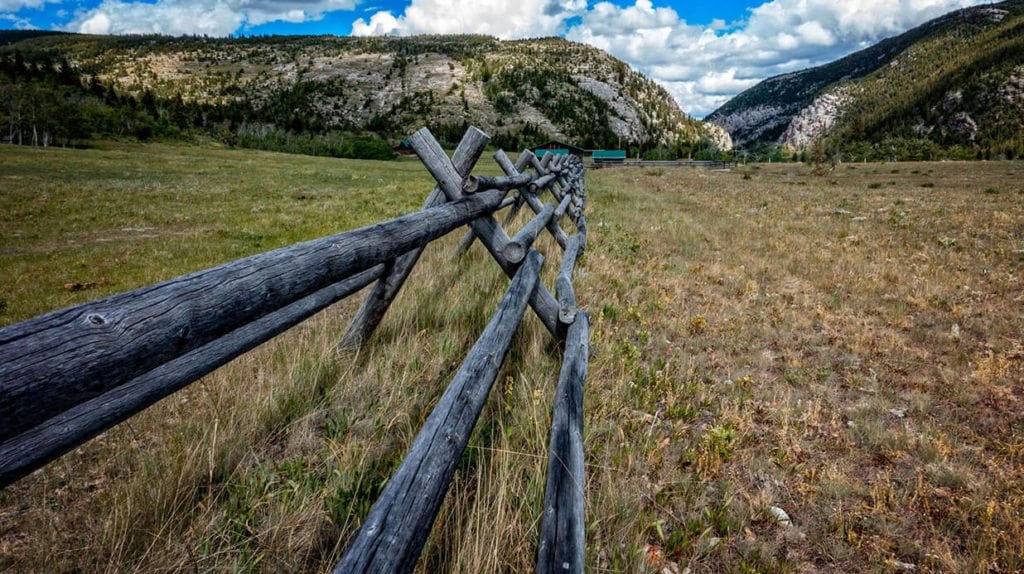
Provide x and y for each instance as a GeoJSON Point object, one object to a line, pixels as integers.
{"type": "Point", "coordinates": [846, 347]}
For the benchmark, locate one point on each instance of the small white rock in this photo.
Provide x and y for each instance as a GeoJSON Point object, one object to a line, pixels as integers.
{"type": "Point", "coordinates": [780, 516]}
{"type": "Point", "coordinates": [898, 413]}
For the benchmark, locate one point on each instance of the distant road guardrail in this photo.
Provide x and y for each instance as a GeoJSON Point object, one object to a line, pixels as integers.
{"type": "Point", "coordinates": [600, 163]}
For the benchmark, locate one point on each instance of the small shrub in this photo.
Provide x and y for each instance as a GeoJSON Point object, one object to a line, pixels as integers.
{"type": "Point", "coordinates": [875, 185]}
{"type": "Point", "coordinates": [991, 190]}
{"type": "Point", "coordinates": [928, 185]}
{"type": "Point", "coordinates": [698, 325]}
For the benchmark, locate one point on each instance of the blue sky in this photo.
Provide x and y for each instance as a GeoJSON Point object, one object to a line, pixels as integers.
{"type": "Point", "coordinates": [340, 22]}
{"type": "Point", "coordinates": [702, 52]}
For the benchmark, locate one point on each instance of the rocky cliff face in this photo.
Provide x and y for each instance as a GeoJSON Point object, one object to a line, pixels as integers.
{"type": "Point", "coordinates": [816, 120]}
{"type": "Point", "coordinates": [954, 81]}
{"type": "Point", "coordinates": [541, 88]}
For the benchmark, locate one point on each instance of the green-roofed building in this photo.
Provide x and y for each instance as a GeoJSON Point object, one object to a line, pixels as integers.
{"type": "Point", "coordinates": [558, 151]}
{"type": "Point", "coordinates": [609, 155]}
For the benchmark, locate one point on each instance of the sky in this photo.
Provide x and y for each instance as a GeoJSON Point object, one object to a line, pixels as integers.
{"type": "Point", "coordinates": [702, 52]}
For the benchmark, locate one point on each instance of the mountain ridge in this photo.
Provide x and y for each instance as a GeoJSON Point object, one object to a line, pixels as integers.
{"type": "Point", "coordinates": [516, 90]}
{"type": "Point", "coordinates": [899, 89]}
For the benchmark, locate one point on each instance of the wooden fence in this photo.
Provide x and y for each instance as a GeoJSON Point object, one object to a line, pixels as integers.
{"type": "Point", "coordinates": [69, 375]}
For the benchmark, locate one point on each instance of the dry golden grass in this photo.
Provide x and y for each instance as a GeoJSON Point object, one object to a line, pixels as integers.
{"type": "Point", "coordinates": [845, 347]}
{"type": "Point", "coordinates": [841, 347]}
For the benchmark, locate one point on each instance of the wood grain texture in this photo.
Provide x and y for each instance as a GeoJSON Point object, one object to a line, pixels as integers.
{"type": "Point", "coordinates": [469, 238]}
{"type": "Point", "coordinates": [564, 291]}
{"type": "Point", "coordinates": [486, 228]}
{"type": "Point", "coordinates": [379, 300]}
{"type": "Point", "coordinates": [562, 534]}
{"type": "Point", "coordinates": [474, 183]}
{"type": "Point", "coordinates": [55, 361]}
{"type": "Point", "coordinates": [560, 211]}
{"type": "Point", "coordinates": [581, 230]}
{"type": "Point", "coordinates": [392, 536]}
{"type": "Point", "coordinates": [34, 448]}
{"type": "Point", "coordinates": [531, 199]}
{"type": "Point", "coordinates": [542, 182]}
{"type": "Point", "coordinates": [515, 250]}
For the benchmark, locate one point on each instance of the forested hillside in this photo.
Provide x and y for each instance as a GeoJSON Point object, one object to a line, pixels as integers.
{"type": "Point", "coordinates": [953, 87]}
{"type": "Point", "coordinates": [319, 92]}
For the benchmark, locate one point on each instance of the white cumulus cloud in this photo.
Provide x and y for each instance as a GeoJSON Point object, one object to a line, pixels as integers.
{"type": "Point", "coordinates": [15, 5]}
{"type": "Point", "coordinates": [526, 18]}
{"type": "Point", "coordinates": [703, 66]}
{"type": "Point", "coordinates": [17, 22]}
{"type": "Point", "coordinates": [211, 17]}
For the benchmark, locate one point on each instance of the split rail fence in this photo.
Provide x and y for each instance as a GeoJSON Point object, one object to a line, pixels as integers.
{"type": "Point", "coordinates": [69, 375]}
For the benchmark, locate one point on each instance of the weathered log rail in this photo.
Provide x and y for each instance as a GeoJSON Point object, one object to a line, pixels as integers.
{"type": "Point", "coordinates": [69, 375]}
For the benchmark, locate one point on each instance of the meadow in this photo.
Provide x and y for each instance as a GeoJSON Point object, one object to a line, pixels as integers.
{"type": "Point", "coordinates": [842, 346]}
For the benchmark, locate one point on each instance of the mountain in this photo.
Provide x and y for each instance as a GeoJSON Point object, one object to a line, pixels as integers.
{"type": "Point", "coordinates": [521, 92]}
{"type": "Point", "coordinates": [956, 82]}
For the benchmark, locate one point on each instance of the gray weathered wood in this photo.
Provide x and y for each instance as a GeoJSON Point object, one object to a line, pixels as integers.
{"type": "Point", "coordinates": [538, 164]}
{"type": "Point", "coordinates": [522, 162]}
{"type": "Point", "coordinates": [556, 192]}
{"type": "Point", "coordinates": [467, 240]}
{"type": "Point", "coordinates": [562, 527]}
{"type": "Point", "coordinates": [43, 443]}
{"type": "Point", "coordinates": [541, 182]}
{"type": "Point", "coordinates": [392, 536]}
{"type": "Point", "coordinates": [560, 211]}
{"type": "Point", "coordinates": [531, 199]}
{"type": "Point", "coordinates": [470, 237]}
{"type": "Point", "coordinates": [516, 248]}
{"type": "Point", "coordinates": [581, 230]}
{"type": "Point", "coordinates": [506, 165]}
{"type": "Point", "coordinates": [564, 291]}
{"type": "Point", "coordinates": [53, 362]}
{"type": "Point", "coordinates": [512, 213]}
{"type": "Point", "coordinates": [475, 183]}
{"type": "Point", "coordinates": [486, 228]}
{"type": "Point", "coordinates": [377, 302]}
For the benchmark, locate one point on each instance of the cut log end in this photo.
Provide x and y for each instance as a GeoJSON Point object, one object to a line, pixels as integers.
{"type": "Point", "coordinates": [514, 252]}
{"type": "Point", "coordinates": [567, 315]}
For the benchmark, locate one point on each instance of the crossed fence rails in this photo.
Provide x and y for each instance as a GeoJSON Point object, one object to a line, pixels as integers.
{"type": "Point", "coordinates": [69, 375]}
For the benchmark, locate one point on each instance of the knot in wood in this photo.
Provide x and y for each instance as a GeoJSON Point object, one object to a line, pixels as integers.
{"type": "Point", "coordinates": [96, 319]}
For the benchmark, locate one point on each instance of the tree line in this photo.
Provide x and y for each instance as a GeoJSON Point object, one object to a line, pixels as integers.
{"type": "Point", "coordinates": [47, 102]}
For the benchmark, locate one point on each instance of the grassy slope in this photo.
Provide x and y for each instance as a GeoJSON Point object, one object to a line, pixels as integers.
{"type": "Point", "coordinates": [961, 51]}
{"type": "Point", "coordinates": [751, 337]}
